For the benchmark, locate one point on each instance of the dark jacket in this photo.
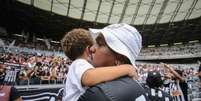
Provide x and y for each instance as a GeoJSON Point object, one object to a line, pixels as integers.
{"type": "Point", "coordinates": [123, 89]}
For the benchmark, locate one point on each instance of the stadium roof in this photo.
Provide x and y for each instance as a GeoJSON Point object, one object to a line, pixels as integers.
{"type": "Point", "coordinates": [158, 21]}
{"type": "Point", "coordinates": [135, 12]}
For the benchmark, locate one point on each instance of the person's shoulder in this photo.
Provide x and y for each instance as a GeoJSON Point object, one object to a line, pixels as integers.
{"type": "Point", "coordinates": [80, 65]}
{"type": "Point", "coordinates": [80, 62]}
{"type": "Point", "coordinates": [122, 81]}
{"type": "Point", "coordinates": [125, 85]}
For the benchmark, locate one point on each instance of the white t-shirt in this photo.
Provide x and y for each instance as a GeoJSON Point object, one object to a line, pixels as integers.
{"type": "Point", "coordinates": [73, 87]}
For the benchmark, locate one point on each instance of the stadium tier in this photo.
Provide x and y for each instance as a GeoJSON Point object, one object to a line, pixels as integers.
{"type": "Point", "coordinates": [50, 50]}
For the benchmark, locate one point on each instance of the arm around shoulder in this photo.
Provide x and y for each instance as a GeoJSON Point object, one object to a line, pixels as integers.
{"type": "Point", "coordinates": [95, 76]}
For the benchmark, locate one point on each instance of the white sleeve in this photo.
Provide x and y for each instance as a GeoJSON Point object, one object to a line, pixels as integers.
{"type": "Point", "coordinates": [81, 67]}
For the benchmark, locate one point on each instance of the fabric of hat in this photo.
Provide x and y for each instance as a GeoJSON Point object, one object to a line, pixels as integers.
{"type": "Point", "coordinates": [123, 39]}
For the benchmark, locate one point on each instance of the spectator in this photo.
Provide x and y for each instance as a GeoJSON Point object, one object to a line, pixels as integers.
{"type": "Point", "coordinates": [116, 44]}
{"type": "Point", "coordinates": [82, 74]}
{"type": "Point", "coordinates": [7, 93]}
{"type": "Point", "coordinates": [154, 84]}
{"type": "Point", "coordinates": [179, 88]}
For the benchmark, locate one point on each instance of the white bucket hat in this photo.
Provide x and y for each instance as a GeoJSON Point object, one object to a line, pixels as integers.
{"type": "Point", "coordinates": [123, 39]}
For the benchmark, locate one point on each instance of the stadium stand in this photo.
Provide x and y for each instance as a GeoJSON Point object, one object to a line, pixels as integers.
{"type": "Point", "coordinates": [31, 30]}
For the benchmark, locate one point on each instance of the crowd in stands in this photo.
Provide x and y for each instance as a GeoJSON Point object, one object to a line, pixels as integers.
{"type": "Point", "coordinates": [168, 51]}
{"type": "Point", "coordinates": [39, 44]}
{"type": "Point", "coordinates": [35, 61]}
{"type": "Point", "coordinates": [35, 68]}
{"type": "Point", "coordinates": [189, 84]}
{"type": "Point", "coordinates": [189, 72]}
{"type": "Point", "coordinates": [175, 51]}
{"type": "Point", "coordinates": [33, 64]}
{"type": "Point", "coordinates": [39, 69]}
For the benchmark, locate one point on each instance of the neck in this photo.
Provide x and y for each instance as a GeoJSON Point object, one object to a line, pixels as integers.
{"type": "Point", "coordinates": [83, 56]}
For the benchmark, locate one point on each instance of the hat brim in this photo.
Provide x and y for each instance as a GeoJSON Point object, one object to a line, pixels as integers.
{"type": "Point", "coordinates": [114, 43]}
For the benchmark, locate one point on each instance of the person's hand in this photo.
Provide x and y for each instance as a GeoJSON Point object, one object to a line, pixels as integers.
{"type": "Point", "coordinates": [133, 72]}
{"type": "Point", "coordinates": [168, 75]}
{"type": "Point", "coordinates": [163, 65]}
{"type": "Point", "coordinates": [166, 66]}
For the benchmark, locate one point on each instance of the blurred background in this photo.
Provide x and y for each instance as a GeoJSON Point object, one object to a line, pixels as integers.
{"type": "Point", "coordinates": [31, 30]}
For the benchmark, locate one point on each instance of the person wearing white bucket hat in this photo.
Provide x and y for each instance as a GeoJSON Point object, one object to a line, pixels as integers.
{"type": "Point", "coordinates": [81, 74]}
{"type": "Point", "coordinates": [116, 44]}
{"type": "Point", "coordinates": [123, 39]}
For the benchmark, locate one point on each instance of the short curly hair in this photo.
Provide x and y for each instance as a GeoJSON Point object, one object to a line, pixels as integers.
{"type": "Point", "coordinates": [75, 42]}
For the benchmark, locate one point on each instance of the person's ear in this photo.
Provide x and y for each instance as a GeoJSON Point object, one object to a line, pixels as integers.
{"type": "Point", "coordinates": [88, 50]}
{"type": "Point", "coordinates": [92, 49]}
{"type": "Point", "coordinates": [88, 53]}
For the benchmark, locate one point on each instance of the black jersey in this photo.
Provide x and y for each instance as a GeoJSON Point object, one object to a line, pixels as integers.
{"type": "Point", "coordinates": [123, 89]}
{"type": "Point", "coordinates": [156, 94]}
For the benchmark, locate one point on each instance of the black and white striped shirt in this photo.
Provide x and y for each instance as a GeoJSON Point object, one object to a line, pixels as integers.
{"type": "Point", "coordinates": [174, 89]}
{"type": "Point", "coordinates": [156, 94]}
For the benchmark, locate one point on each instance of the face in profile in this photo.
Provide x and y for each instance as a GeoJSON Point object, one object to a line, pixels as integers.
{"type": "Point", "coordinates": [101, 54]}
